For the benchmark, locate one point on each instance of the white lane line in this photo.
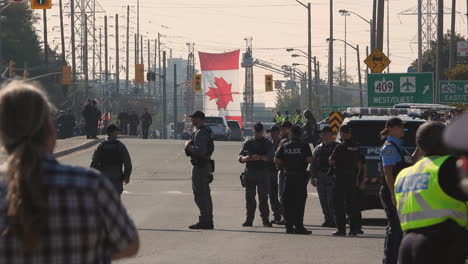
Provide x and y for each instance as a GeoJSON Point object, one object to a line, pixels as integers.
{"type": "Point", "coordinates": [314, 194]}
{"type": "Point", "coordinates": [126, 192]}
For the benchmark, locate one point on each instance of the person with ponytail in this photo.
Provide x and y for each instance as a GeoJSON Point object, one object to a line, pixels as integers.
{"type": "Point", "coordinates": [49, 212]}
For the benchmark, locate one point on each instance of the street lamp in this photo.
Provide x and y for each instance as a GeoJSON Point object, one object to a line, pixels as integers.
{"type": "Point", "coordinates": [309, 51]}
{"type": "Point", "coordinates": [346, 14]}
{"type": "Point", "coordinates": [370, 22]}
{"type": "Point", "coordinates": [358, 65]}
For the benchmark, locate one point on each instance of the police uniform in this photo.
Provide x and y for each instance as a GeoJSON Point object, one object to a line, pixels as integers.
{"type": "Point", "coordinates": [146, 121]}
{"type": "Point", "coordinates": [392, 154]}
{"type": "Point", "coordinates": [201, 149]}
{"type": "Point", "coordinates": [347, 157]}
{"type": "Point", "coordinates": [281, 177]}
{"type": "Point", "coordinates": [325, 180]}
{"type": "Point", "coordinates": [433, 212]}
{"type": "Point", "coordinates": [134, 121]}
{"type": "Point", "coordinates": [257, 177]}
{"type": "Point", "coordinates": [294, 154]}
{"type": "Point", "coordinates": [123, 118]}
{"type": "Point", "coordinates": [273, 194]}
{"type": "Point", "coordinates": [109, 158]}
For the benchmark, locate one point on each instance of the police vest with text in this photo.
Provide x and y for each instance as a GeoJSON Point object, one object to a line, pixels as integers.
{"type": "Point", "coordinates": [421, 201]}
{"type": "Point", "coordinates": [295, 160]}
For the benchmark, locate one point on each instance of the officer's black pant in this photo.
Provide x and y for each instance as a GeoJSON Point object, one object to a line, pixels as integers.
{"type": "Point", "coordinates": [202, 193]}
{"type": "Point", "coordinates": [443, 243]}
{"type": "Point", "coordinates": [273, 195]}
{"type": "Point", "coordinates": [294, 200]}
{"type": "Point", "coordinates": [123, 127]}
{"type": "Point", "coordinates": [257, 180]}
{"type": "Point", "coordinates": [145, 131]}
{"type": "Point", "coordinates": [133, 130]}
{"type": "Point", "coordinates": [393, 234]}
{"type": "Point", "coordinates": [345, 191]}
{"type": "Point", "coordinates": [325, 190]}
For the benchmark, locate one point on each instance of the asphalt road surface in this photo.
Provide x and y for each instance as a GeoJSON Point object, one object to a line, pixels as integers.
{"type": "Point", "coordinates": [159, 199]}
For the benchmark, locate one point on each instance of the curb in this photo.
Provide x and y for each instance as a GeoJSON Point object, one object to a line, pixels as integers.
{"type": "Point", "coordinates": [78, 148]}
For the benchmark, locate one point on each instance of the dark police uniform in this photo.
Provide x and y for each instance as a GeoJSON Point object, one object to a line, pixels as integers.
{"type": "Point", "coordinates": [134, 121]}
{"type": "Point", "coordinates": [294, 154]}
{"type": "Point", "coordinates": [273, 194]}
{"type": "Point", "coordinates": [325, 180]}
{"type": "Point", "coordinates": [202, 147]}
{"type": "Point", "coordinates": [346, 156]}
{"type": "Point", "coordinates": [146, 121]}
{"type": "Point", "coordinates": [109, 158]}
{"type": "Point", "coordinates": [257, 178]}
{"type": "Point", "coordinates": [124, 119]}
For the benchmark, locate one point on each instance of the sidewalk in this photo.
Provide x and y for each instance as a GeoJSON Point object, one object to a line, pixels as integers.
{"type": "Point", "coordinates": [70, 145]}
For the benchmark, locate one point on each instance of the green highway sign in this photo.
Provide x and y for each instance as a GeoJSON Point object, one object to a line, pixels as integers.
{"type": "Point", "coordinates": [453, 91]}
{"type": "Point", "coordinates": [326, 109]}
{"type": "Point", "coordinates": [386, 90]}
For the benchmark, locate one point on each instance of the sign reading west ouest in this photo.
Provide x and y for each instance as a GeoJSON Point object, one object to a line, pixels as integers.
{"type": "Point", "coordinates": [453, 91]}
{"type": "Point", "coordinates": [385, 90]}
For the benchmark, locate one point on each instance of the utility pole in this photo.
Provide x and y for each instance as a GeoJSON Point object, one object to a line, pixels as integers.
{"type": "Point", "coordinates": [137, 44]}
{"type": "Point", "coordinates": [117, 62]}
{"type": "Point", "coordinates": [175, 101]}
{"type": "Point", "coordinates": [94, 39]}
{"type": "Point", "coordinates": [330, 57]}
{"type": "Point", "coordinates": [388, 33]}
{"type": "Point", "coordinates": [72, 37]}
{"type": "Point", "coordinates": [309, 54]}
{"type": "Point", "coordinates": [155, 65]}
{"type": "Point", "coordinates": [359, 77]}
{"type": "Point", "coordinates": [373, 25]}
{"type": "Point", "coordinates": [420, 39]}
{"type": "Point", "coordinates": [106, 54]}
{"type": "Point", "coordinates": [453, 47]}
{"type": "Point", "coordinates": [380, 23]}
{"type": "Point", "coordinates": [164, 99]}
{"type": "Point", "coordinates": [149, 66]}
{"type": "Point", "coordinates": [127, 51]}
{"type": "Point", "coordinates": [85, 54]}
{"type": "Point", "coordinates": [46, 51]}
{"type": "Point", "coordinates": [62, 34]}
{"type": "Point", "coordinates": [316, 75]}
{"type": "Point", "coordinates": [440, 37]}
{"type": "Point", "coordinates": [345, 50]}
{"type": "Point", "coordinates": [141, 50]}
{"type": "Point", "coordinates": [159, 61]}
{"type": "Point", "coordinates": [100, 54]}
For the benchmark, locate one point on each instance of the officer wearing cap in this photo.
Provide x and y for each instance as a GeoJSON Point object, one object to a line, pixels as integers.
{"type": "Point", "coordinates": [110, 157]}
{"type": "Point", "coordinates": [309, 128]}
{"type": "Point", "coordinates": [257, 153]}
{"type": "Point", "coordinates": [432, 207]}
{"type": "Point", "coordinates": [346, 160]}
{"type": "Point", "coordinates": [294, 156]}
{"type": "Point", "coordinates": [275, 138]}
{"type": "Point", "coordinates": [200, 149]}
{"type": "Point", "coordinates": [322, 176]}
{"type": "Point", "coordinates": [393, 160]}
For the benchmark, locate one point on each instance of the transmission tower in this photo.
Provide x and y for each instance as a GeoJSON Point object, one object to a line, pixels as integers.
{"type": "Point", "coordinates": [189, 93]}
{"type": "Point", "coordinates": [248, 63]}
{"type": "Point", "coordinates": [86, 35]}
{"type": "Point", "coordinates": [429, 22]}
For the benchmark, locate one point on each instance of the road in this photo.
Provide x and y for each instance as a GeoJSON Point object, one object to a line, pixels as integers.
{"type": "Point", "coordinates": [159, 199]}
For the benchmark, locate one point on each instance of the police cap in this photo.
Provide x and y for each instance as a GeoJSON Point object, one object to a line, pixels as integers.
{"type": "Point", "coordinates": [274, 128]}
{"type": "Point", "coordinates": [111, 128]}
{"type": "Point", "coordinates": [198, 114]}
{"type": "Point", "coordinates": [258, 127]}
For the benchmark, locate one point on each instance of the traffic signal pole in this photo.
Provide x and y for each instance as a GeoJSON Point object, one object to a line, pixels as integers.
{"type": "Point", "coordinates": [175, 100]}
{"type": "Point", "coordinates": [46, 52]}
{"type": "Point", "coordinates": [164, 100]}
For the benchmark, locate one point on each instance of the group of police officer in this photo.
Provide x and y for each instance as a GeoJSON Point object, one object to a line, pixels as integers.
{"type": "Point", "coordinates": [128, 123]}
{"type": "Point", "coordinates": [425, 201]}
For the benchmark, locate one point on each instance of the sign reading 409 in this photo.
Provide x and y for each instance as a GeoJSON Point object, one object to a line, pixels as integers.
{"type": "Point", "coordinates": [383, 86]}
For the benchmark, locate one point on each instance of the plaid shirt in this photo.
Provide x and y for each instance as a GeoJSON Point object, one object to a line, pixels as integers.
{"type": "Point", "coordinates": [87, 222]}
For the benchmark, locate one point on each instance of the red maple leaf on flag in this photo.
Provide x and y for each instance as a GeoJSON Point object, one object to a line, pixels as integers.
{"type": "Point", "coordinates": [222, 92]}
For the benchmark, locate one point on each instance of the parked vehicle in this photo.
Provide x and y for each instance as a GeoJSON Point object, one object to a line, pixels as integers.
{"type": "Point", "coordinates": [235, 129]}
{"type": "Point", "coordinates": [218, 126]}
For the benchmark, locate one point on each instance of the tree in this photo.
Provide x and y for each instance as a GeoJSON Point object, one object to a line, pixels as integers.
{"type": "Point", "coordinates": [459, 72]}
{"type": "Point", "coordinates": [430, 55]}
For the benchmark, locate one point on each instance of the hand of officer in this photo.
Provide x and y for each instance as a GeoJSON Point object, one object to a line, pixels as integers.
{"type": "Point", "coordinates": [256, 157]}
{"type": "Point", "coordinates": [127, 181]}
{"type": "Point", "coordinates": [313, 181]}
{"type": "Point", "coordinates": [188, 143]}
{"type": "Point", "coordinates": [394, 200]}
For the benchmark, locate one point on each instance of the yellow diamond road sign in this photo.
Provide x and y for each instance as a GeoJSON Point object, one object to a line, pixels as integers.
{"type": "Point", "coordinates": [377, 61]}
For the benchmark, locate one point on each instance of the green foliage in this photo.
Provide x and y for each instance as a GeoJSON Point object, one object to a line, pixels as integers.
{"type": "Point", "coordinates": [459, 72]}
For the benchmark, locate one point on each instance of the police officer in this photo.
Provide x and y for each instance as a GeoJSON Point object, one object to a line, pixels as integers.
{"type": "Point", "coordinates": [347, 163]}
{"type": "Point", "coordinates": [69, 124]}
{"type": "Point", "coordinates": [455, 138]}
{"type": "Point", "coordinates": [285, 130]}
{"type": "Point", "coordinates": [294, 156]}
{"type": "Point", "coordinates": [286, 117]}
{"type": "Point", "coordinates": [60, 124]}
{"type": "Point", "coordinates": [146, 121]}
{"type": "Point", "coordinates": [393, 160]}
{"type": "Point", "coordinates": [309, 129]}
{"type": "Point", "coordinates": [123, 118]}
{"type": "Point", "coordinates": [257, 153]}
{"type": "Point", "coordinates": [199, 149]}
{"type": "Point", "coordinates": [278, 118]}
{"type": "Point", "coordinates": [432, 207]}
{"type": "Point", "coordinates": [322, 177]}
{"type": "Point", "coordinates": [134, 122]}
{"type": "Point", "coordinates": [109, 158]}
{"type": "Point", "coordinates": [297, 120]}
{"type": "Point", "coordinates": [274, 132]}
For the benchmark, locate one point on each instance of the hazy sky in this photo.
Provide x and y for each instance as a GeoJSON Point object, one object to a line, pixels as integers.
{"type": "Point", "coordinates": [221, 25]}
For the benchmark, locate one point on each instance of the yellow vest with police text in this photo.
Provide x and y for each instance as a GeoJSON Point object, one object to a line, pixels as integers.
{"type": "Point", "coordinates": [421, 202]}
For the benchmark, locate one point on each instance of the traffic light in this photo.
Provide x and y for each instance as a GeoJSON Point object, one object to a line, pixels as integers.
{"type": "Point", "coordinates": [268, 83]}
{"type": "Point", "coordinates": [41, 4]}
{"type": "Point", "coordinates": [197, 83]}
{"type": "Point", "coordinates": [11, 69]}
{"type": "Point", "coordinates": [139, 73]}
{"type": "Point", "coordinates": [66, 75]}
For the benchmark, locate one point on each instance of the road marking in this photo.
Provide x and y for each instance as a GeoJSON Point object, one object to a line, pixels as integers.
{"type": "Point", "coordinates": [126, 192]}
{"type": "Point", "coordinates": [314, 194]}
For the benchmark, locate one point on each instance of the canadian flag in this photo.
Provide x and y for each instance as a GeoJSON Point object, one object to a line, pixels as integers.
{"type": "Point", "coordinates": [221, 90]}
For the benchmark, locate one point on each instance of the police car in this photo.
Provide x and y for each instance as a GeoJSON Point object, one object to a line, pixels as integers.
{"type": "Point", "coordinates": [366, 125]}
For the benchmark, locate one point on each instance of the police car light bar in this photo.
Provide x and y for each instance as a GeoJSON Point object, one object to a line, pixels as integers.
{"type": "Point", "coordinates": [374, 111]}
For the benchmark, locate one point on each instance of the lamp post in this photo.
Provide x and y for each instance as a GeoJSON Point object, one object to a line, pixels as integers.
{"type": "Point", "coordinates": [345, 14]}
{"type": "Point", "coordinates": [359, 68]}
{"type": "Point", "coordinates": [309, 51]}
{"type": "Point", "coordinates": [370, 22]}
